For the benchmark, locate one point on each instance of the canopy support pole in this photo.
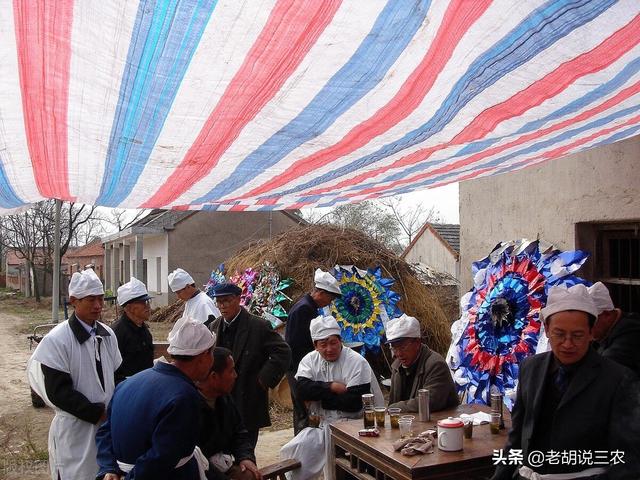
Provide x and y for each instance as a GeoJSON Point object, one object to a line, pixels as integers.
{"type": "Point", "coordinates": [55, 301]}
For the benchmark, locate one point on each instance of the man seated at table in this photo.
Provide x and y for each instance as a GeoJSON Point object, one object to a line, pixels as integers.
{"type": "Point", "coordinates": [331, 381]}
{"type": "Point", "coordinates": [571, 399]}
{"type": "Point", "coordinates": [415, 367]}
{"type": "Point", "coordinates": [224, 439]}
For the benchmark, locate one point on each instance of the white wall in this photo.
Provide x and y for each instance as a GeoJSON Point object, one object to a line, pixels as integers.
{"type": "Point", "coordinates": [429, 250]}
{"type": "Point", "coordinates": [156, 246]}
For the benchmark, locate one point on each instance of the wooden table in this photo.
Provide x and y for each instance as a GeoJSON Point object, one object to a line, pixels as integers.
{"type": "Point", "coordinates": [373, 458]}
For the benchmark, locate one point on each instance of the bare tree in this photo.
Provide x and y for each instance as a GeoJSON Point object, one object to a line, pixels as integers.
{"type": "Point", "coordinates": [410, 219]}
{"type": "Point", "coordinates": [367, 217]}
{"type": "Point", "coordinates": [389, 220]}
{"type": "Point", "coordinates": [3, 248]}
{"type": "Point", "coordinates": [31, 234]}
{"type": "Point", "coordinates": [20, 234]}
{"type": "Point", "coordinates": [122, 218]}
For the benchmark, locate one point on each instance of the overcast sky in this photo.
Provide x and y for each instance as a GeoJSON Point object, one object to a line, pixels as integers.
{"type": "Point", "coordinates": [445, 199]}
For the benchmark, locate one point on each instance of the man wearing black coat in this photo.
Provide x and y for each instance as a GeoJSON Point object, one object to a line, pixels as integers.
{"type": "Point", "coordinates": [134, 338]}
{"type": "Point", "coordinates": [261, 356]}
{"type": "Point", "coordinates": [617, 334]}
{"type": "Point", "coordinates": [297, 335]}
{"type": "Point", "coordinates": [572, 400]}
{"type": "Point", "coordinates": [224, 439]}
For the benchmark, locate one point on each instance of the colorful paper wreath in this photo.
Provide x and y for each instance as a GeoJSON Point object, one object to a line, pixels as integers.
{"type": "Point", "coordinates": [262, 290]}
{"type": "Point", "coordinates": [500, 324]}
{"type": "Point", "coordinates": [366, 304]}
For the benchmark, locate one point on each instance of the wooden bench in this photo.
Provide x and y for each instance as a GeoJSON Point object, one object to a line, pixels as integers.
{"type": "Point", "coordinates": [276, 471]}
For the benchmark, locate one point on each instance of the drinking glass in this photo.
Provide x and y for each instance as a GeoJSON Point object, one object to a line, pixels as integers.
{"type": "Point", "coordinates": [406, 427]}
{"type": "Point", "coordinates": [468, 428]}
{"type": "Point", "coordinates": [495, 423]}
{"type": "Point", "coordinates": [394, 416]}
{"type": "Point", "coordinates": [380, 412]}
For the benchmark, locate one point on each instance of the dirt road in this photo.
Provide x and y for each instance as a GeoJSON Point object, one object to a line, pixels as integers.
{"type": "Point", "coordinates": [23, 429]}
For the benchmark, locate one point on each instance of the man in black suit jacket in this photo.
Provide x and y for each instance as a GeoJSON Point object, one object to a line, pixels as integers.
{"type": "Point", "coordinates": [572, 399]}
{"type": "Point", "coordinates": [261, 356]}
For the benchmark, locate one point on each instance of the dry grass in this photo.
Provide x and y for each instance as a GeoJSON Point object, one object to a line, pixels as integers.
{"type": "Point", "coordinates": [299, 251]}
{"type": "Point", "coordinates": [281, 417]}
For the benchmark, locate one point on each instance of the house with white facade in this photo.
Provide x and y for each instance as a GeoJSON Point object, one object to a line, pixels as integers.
{"type": "Point", "coordinates": [197, 241]}
{"type": "Point", "coordinates": [438, 246]}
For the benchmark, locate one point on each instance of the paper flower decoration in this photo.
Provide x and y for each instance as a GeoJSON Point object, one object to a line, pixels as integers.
{"type": "Point", "coordinates": [366, 304]}
{"type": "Point", "coordinates": [500, 324]}
{"type": "Point", "coordinates": [216, 277]}
{"type": "Point", "coordinates": [268, 292]}
{"type": "Point", "coordinates": [262, 290]}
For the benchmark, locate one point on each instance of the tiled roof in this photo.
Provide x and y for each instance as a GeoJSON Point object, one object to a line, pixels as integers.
{"type": "Point", "coordinates": [450, 233]}
{"type": "Point", "coordinates": [161, 219]}
{"type": "Point", "coordinates": [93, 249]}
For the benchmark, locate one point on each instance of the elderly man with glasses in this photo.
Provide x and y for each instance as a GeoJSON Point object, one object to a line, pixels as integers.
{"type": "Point", "coordinates": [416, 366]}
{"type": "Point", "coordinates": [134, 338]}
{"type": "Point", "coordinates": [572, 400]}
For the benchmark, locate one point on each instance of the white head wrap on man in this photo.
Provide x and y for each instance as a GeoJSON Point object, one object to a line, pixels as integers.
{"type": "Point", "coordinates": [561, 299]}
{"type": "Point", "coordinates": [190, 337]}
{"type": "Point", "coordinates": [84, 284]}
{"type": "Point", "coordinates": [325, 281]}
{"type": "Point", "coordinates": [323, 326]}
{"type": "Point", "coordinates": [131, 290]}
{"type": "Point", "coordinates": [402, 327]}
{"type": "Point", "coordinates": [599, 293]}
{"type": "Point", "coordinates": [178, 279]}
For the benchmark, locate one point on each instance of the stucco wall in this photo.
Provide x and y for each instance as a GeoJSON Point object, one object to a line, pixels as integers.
{"type": "Point", "coordinates": [429, 250]}
{"type": "Point", "coordinates": [204, 240]}
{"type": "Point", "coordinates": [602, 184]}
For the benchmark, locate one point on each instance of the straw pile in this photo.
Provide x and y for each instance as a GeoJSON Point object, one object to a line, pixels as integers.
{"type": "Point", "coordinates": [297, 252]}
{"type": "Point", "coordinates": [170, 313]}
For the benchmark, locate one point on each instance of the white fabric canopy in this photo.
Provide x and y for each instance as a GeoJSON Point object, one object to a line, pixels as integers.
{"type": "Point", "coordinates": [280, 104]}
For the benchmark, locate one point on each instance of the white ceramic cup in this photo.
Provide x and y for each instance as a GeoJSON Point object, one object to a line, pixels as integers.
{"type": "Point", "coordinates": [450, 434]}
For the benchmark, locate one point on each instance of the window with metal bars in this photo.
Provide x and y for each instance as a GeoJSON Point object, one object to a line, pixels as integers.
{"type": "Point", "coordinates": [618, 263]}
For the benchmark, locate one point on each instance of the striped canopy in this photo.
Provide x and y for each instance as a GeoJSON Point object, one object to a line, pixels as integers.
{"type": "Point", "coordinates": [279, 104]}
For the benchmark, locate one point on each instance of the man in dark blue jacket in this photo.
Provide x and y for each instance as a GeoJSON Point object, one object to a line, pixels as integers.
{"type": "Point", "coordinates": [572, 400]}
{"type": "Point", "coordinates": [152, 422]}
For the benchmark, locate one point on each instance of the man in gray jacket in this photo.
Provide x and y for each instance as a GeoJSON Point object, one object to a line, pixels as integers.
{"type": "Point", "coordinates": [416, 366]}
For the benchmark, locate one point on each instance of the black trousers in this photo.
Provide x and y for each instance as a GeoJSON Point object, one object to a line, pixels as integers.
{"type": "Point", "coordinates": [300, 415]}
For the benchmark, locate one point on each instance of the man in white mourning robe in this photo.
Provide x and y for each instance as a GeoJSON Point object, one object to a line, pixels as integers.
{"type": "Point", "coordinates": [331, 381]}
{"type": "Point", "coordinates": [72, 369]}
{"type": "Point", "coordinates": [197, 304]}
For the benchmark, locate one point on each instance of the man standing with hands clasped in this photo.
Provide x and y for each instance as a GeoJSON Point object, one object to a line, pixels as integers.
{"type": "Point", "coordinates": [134, 338]}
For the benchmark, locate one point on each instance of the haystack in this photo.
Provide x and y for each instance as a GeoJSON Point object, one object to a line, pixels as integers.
{"type": "Point", "coordinates": [170, 313]}
{"type": "Point", "coordinates": [296, 254]}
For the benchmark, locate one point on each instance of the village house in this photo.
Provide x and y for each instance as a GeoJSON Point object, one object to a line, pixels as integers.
{"type": "Point", "coordinates": [89, 255]}
{"type": "Point", "coordinates": [197, 241]}
{"type": "Point", "coordinates": [438, 246]}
